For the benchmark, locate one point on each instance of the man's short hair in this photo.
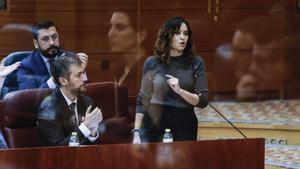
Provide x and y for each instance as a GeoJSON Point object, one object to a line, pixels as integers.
{"type": "Point", "coordinates": [44, 24]}
{"type": "Point", "coordinates": [61, 66]}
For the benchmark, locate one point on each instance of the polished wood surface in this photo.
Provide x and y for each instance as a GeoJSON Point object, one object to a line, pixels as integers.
{"type": "Point", "coordinates": [225, 154]}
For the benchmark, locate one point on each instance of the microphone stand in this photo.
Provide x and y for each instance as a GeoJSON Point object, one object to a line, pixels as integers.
{"type": "Point", "coordinates": [237, 129]}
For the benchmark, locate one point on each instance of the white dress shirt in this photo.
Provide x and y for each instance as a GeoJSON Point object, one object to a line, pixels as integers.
{"type": "Point", "coordinates": [85, 131]}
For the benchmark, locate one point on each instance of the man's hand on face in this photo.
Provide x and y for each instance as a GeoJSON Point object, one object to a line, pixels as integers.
{"type": "Point", "coordinates": [84, 59]}
{"type": "Point", "coordinates": [247, 87]}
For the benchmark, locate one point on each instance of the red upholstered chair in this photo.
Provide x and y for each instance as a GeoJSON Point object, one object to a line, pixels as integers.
{"type": "Point", "coordinates": [20, 112]}
{"type": "Point", "coordinates": [19, 117]}
{"type": "Point", "coordinates": [113, 101]}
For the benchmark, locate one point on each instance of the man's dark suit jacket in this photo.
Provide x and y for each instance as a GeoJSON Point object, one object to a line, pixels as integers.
{"type": "Point", "coordinates": [33, 72]}
{"type": "Point", "coordinates": [56, 122]}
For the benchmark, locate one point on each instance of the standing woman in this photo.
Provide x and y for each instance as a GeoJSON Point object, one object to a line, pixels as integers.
{"type": "Point", "coordinates": [173, 83]}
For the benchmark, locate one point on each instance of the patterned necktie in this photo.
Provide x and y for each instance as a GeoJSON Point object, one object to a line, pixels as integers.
{"type": "Point", "coordinates": [72, 109]}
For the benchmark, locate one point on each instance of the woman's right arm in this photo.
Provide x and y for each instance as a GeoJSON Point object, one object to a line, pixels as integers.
{"type": "Point", "coordinates": [138, 120]}
{"type": "Point", "coordinates": [143, 99]}
{"type": "Point", "coordinates": [137, 125]}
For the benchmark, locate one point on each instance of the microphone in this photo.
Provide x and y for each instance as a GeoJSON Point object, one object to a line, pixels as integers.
{"type": "Point", "coordinates": [228, 121]}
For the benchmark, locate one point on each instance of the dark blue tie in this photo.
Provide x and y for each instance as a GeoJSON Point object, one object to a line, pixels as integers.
{"type": "Point", "coordinates": [72, 107]}
{"type": "Point", "coordinates": [51, 60]}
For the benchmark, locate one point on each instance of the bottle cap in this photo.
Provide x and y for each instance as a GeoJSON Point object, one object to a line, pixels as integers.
{"type": "Point", "coordinates": [74, 133]}
{"type": "Point", "coordinates": [167, 130]}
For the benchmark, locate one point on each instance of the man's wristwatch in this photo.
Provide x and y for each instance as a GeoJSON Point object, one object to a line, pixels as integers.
{"type": "Point", "coordinates": [135, 130]}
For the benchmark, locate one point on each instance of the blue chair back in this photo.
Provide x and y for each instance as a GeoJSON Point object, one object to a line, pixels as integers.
{"type": "Point", "coordinates": [10, 83]}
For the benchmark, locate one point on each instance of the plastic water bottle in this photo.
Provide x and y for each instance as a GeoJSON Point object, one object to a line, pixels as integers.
{"type": "Point", "coordinates": [74, 141]}
{"type": "Point", "coordinates": [168, 137]}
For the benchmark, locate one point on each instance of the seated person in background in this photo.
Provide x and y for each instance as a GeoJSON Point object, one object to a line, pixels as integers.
{"type": "Point", "coordinates": [66, 110]}
{"type": "Point", "coordinates": [6, 70]}
{"type": "Point", "coordinates": [34, 71]}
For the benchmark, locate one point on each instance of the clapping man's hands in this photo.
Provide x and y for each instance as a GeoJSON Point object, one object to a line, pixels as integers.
{"type": "Point", "coordinates": [92, 119]}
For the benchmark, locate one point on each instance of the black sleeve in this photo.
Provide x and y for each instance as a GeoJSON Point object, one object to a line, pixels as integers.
{"type": "Point", "coordinates": [144, 96]}
{"type": "Point", "coordinates": [200, 82]}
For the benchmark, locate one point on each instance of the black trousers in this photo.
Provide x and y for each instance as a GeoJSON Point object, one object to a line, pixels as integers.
{"type": "Point", "coordinates": [182, 122]}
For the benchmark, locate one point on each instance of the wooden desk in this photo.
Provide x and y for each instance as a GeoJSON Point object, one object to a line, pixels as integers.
{"type": "Point", "coordinates": [216, 154]}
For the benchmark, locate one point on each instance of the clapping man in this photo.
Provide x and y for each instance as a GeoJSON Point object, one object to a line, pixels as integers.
{"type": "Point", "coordinates": [67, 110]}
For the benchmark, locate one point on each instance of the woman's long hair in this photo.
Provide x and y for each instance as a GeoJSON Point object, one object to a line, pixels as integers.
{"type": "Point", "coordinates": [164, 40]}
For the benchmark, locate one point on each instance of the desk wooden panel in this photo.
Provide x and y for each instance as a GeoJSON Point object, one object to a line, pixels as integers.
{"type": "Point", "coordinates": [217, 154]}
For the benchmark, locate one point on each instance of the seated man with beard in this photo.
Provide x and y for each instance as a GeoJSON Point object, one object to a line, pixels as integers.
{"type": "Point", "coordinates": [66, 110]}
{"type": "Point", "coordinates": [34, 71]}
